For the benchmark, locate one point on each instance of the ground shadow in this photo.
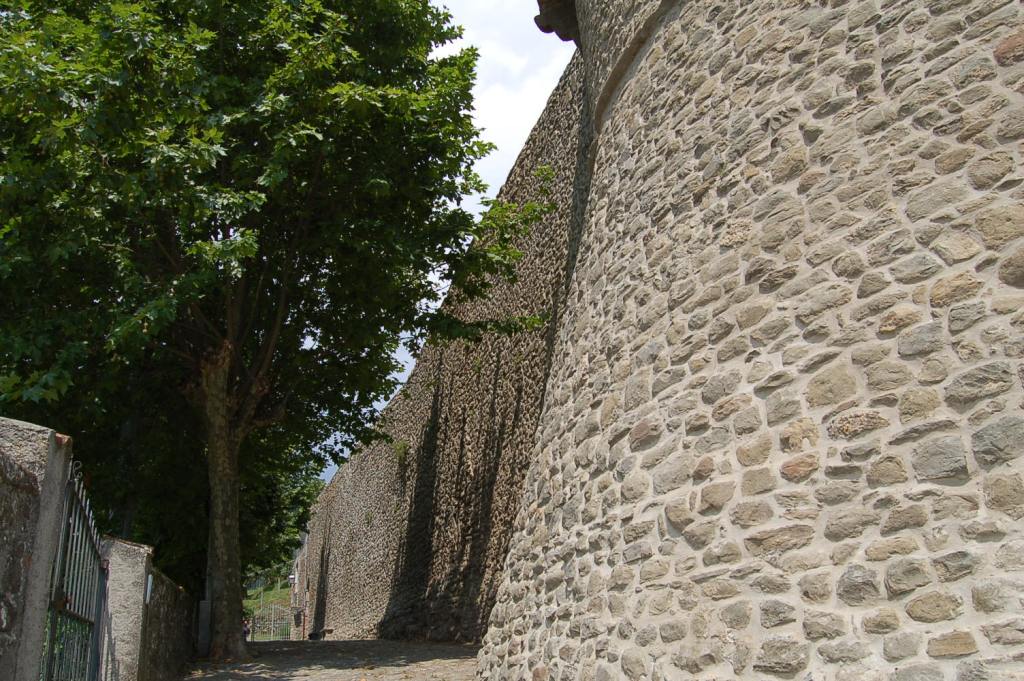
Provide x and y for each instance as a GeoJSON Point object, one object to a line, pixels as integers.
{"type": "Point", "coordinates": [319, 618]}
{"type": "Point", "coordinates": [280, 660]}
{"type": "Point", "coordinates": [404, 617]}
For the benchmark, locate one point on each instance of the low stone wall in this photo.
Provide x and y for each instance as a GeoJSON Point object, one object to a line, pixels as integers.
{"type": "Point", "coordinates": [408, 540]}
{"type": "Point", "coordinates": [168, 641]}
{"type": "Point", "coordinates": [148, 630]}
{"type": "Point", "coordinates": [33, 470]}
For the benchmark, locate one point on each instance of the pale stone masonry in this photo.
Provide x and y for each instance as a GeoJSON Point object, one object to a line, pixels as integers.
{"type": "Point", "coordinates": [783, 431]}
{"type": "Point", "coordinates": [144, 631]}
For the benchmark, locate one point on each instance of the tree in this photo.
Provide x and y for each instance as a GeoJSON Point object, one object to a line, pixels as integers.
{"type": "Point", "coordinates": [145, 469]}
{"type": "Point", "coordinates": [258, 199]}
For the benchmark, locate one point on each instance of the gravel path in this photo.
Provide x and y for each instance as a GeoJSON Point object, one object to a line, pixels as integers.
{"type": "Point", "coordinates": [347, 661]}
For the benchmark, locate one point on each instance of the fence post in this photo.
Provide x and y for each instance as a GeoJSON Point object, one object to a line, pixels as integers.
{"type": "Point", "coordinates": [33, 471]}
{"type": "Point", "coordinates": [126, 591]}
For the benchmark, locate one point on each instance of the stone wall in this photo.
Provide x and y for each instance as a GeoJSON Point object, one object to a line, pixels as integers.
{"type": "Point", "coordinates": [33, 470]}
{"type": "Point", "coordinates": [611, 33]}
{"type": "Point", "coordinates": [147, 632]}
{"type": "Point", "coordinates": [782, 430]}
{"type": "Point", "coordinates": [409, 538]}
{"type": "Point", "coordinates": [168, 641]}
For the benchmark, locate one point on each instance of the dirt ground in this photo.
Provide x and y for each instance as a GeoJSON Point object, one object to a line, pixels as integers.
{"type": "Point", "coordinates": [347, 661]}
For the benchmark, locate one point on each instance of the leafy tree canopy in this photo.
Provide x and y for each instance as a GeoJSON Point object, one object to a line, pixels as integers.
{"type": "Point", "coordinates": [249, 204]}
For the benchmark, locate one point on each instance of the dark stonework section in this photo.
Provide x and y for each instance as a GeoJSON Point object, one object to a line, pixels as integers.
{"type": "Point", "coordinates": [33, 470]}
{"type": "Point", "coordinates": [559, 17]}
{"type": "Point", "coordinates": [409, 539]}
{"type": "Point", "coordinates": [19, 495]}
{"type": "Point", "coordinates": [168, 633]}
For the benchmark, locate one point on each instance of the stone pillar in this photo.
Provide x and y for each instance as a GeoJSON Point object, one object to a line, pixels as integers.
{"type": "Point", "coordinates": [126, 608]}
{"type": "Point", "coordinates": [33, 472]}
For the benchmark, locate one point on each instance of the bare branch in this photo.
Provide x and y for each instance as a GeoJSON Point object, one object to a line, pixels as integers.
{"type": "Point", "coordinates": [256, 386]}
{"type": "Point", "coordinates": [274, 416]}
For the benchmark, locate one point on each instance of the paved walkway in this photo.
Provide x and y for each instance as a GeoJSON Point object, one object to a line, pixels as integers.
{"type": "Point", "coordinates": [348, 661]}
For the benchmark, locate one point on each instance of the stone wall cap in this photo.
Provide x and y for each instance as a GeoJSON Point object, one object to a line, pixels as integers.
{"type": "Point", "coordinates": [27, 445]}
{"type": "Point", "coordinates": [112, 540]}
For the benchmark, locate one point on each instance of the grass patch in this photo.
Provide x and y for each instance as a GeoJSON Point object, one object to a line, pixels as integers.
{"type": "Point", "coordinates": [271, 596]}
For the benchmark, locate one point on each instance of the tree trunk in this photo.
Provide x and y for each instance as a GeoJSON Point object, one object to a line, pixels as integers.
{"type": "Point", "coordinates": [224, 562]}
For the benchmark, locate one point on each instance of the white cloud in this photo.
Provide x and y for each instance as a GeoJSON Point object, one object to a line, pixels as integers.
{"type": "Point", "coordinates": [507, 112]}
{"type": "Point", "coordinates": [519, 67]}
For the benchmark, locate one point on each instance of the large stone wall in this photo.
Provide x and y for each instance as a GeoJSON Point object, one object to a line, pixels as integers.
{"type": "Point", "coordinates": [409, 538]}
{"type": "Point", "coordinates": [783, 428]}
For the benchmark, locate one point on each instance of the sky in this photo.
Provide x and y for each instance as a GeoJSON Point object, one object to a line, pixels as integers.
{"type": "Point", "coordinates": [519, 67]}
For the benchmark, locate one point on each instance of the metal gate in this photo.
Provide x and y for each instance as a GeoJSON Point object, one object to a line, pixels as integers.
{"type": "Point", "coordinates": [77, 592]}
{"type": "Point", "coordinates": [271, 623]}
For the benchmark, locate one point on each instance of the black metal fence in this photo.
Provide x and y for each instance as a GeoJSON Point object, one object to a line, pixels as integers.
{"type": "Point", "coordinates": [77, 592]}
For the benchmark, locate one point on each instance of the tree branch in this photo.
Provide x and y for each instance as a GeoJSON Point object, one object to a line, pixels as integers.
{"type": "Point", "coordinates": [255, 296]}
{"type": "Point", "coordinates": [233, 314]}
{"type": "Point", "coordinates": [274, 416]}
{"type": "Point", "coordinates": [257, 385]}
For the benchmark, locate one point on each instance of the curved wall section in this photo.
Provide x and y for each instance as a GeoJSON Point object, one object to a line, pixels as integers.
{"type": "Point", "coordinates": [612, 33]}
{"type": "Point", "coordinates": [782, 430]}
